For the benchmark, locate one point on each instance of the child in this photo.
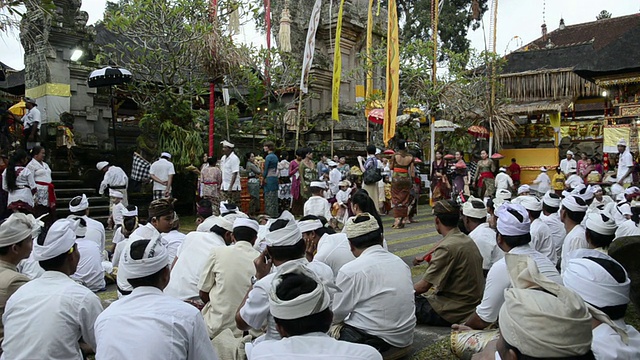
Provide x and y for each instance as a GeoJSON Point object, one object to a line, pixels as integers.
{"type": "Point", "coordinates": [317, 204]}
{"type": "Point", "coordinates": [558, 181]}
{"type": "Point", "coordinates": [117, 209]}
{"type": "Point", "coordinates": [387, 194]}
{"type": "Point", "coordinates": [342, 201]}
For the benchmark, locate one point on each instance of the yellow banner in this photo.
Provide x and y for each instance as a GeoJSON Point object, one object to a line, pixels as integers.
{"type": "Point", "coordinates": [369, 62]}
{"type": "Point", "coordinates": [612, 134]}
{"type": "Point", "coordinates": [337, 68]}
{"type": "Point", "coordinates": [63, 90]}
{"type": "Point", "coordinates": [393, 75]}
{"type": "Point", "coordinates": [554, 119]}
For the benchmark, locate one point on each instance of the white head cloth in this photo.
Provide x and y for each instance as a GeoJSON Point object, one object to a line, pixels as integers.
{"type": "Point", "coordinates": [320, 184]}
{"type": "Point", "coordinates": [632, 190]}
{"type": "Point", "coordinates": [572, 204]}
{"type": "Point", "coordinates": [154, 259]}
{"type": "Point", "coordinates": [165, 154]}
{"type": "Point", "coordinates": [332, 163]}
{"type": "Point", "coordinates": [83, 205]}
{"type": "Point", "coordinates": [508, 224]}
{"type": "Point", "coordinates": [227, 144]}
{"type": "Point", "coordinates": [596, 188]}
{"type": "Point", "coordinates": [616, 189]}
{"type": "Point", "coordinates": [305, 304]}
{"type": "Point", "coordinates": [625, 209]}
{"type": "Point", "coordinates": [551, 201]}
{"type": "Point", "coordinates": [145, 232]}
{"type": "Point", "coordinates": [569, 152]}
{"type": "Point", "coordinates": [586, 193]}
{"type": "Point", "coordinates": [206, 224]}
{"type": "Point", "coordinates": [101, 165]}
{"type": "Point", "coordinates": [620, 198]}
{"type": "Point", "coordinates": [353, 229]}
{"type": "Point", "coordinates": [523, 189]}
{"type": "Point", "coordinates": [250, 223]}
{"type": "Point", "coordinates": [622, 142]}
{"type": "Point", "coordinates": [309, 225]}
{"type": "Point", "coordinates": [115, 194]}
{"type": "Point", "coordinates": [232, 216]}
{"type": "Point", "coordinates": [502, 196]}
{"type": "Point", "coordinates": [470, 211]}
{"type": "Point", "coordinates": [17, 228]}
{"type": "Point", "coordinates": [503, 169]}
{"type": "Point", "coordinates": [346, 183]}
{"type": "Point", "coordinates": [225, 207]}
{"type": "Point", "coordinates": [222, 222]}
{"type": "Point", "coordinates": [543, 169]}
{"type": "Point", "coordinates": [131, 213]}
{"type": "Point", "coordinates": [288, 235]}
{"type": "Point", "coordinates": [601, 223]}
{"type": "Point", "coordinates": [531, 203]}
{"type": "Point", "coordinates": [550, 324]}
{"type": "Point", "coordinates": [60, 239]}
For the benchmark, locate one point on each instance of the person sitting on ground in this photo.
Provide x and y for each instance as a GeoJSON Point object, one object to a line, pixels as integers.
{"type": "Point", "coordinates": [129, 225]}
{"type": "Point", "coordinates": [168, 326]}
{"type": "Point", "coordinates": [324, 245]}
{"type": "Point", "coordinates": [79, 209]}
{"type": "Point", "coordinates": [317, 204]}
{"type": "Point", "coordinates": [89, 271]}
{"type": "Point", "coordinates": [543, 181]}
{"type": "Point", "coordinates": [600, 231]}
{"type": "Point", "coordinates": [514, 237]}
{"type": "Point", "coordinates": [617, 209]}
{"type": "Point", "coordinates": [541, 239]}
{"type": "Point", "coordinates": [204, 209]}
{"type": "Point", "coordinates": [523, 190]}
{"type": "Point", "coordinates": [630, 227]}
{"type": "Point", "coordinates": [342, 201]}
{"type": "Point", "coordinates": [551, 216]}
{"type": "Point", "coordinates": [226, 277]}
{"type": "Point", "coordinates": [173, 239]}
{"type": "Point", "coordinates": [356, 307]}
{"type": "Point", "coordinates": [301, 308]}
{"type": "Point", "coordinates": [49, 316]}
{"type": "Point", "coordinates": [573, 180]}
{"type": "Point", "coordinates": [474, 219]}
{"type": "Point", "coordinates": [455, 271]}
{"type": "Point", "coordinates": [603, 283]}
{"type": "Point", "coordinates": [600, 200]}
{"type": "Point", "coordinates": [571, 214]}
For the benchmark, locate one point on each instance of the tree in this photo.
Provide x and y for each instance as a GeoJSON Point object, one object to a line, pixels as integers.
{"type": "Point", "coordinates": [604, 14]}
{"type": "Point", "coordinates": [11, 11]}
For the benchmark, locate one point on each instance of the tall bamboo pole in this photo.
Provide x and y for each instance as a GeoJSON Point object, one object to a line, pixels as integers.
{"type": "Point", "coordinates": [214, 6]}
{"type": "Point", "coordinates": [494, 28]}
{"type": "Point", "coordinates": [435, 5]}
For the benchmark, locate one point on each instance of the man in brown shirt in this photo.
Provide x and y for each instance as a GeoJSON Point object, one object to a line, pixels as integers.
{"type": "Point", "coordinates": [455, 273]}
{"type": "Point", "coordinates": [15, 244]}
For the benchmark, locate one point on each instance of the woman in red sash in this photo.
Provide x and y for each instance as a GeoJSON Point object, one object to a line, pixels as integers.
{"type": "Point", "coordinates": [45, 197]}
{"type": "Point", "coordinates": [485, 183]}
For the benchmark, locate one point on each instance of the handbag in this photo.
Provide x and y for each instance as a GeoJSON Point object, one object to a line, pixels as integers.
{"type": "Point", "coordinates": [372, 175]}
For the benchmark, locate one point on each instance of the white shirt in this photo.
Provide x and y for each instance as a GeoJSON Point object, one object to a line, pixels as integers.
{"type": "Point", "coordinates": [41, 171]}
{"type": "Point", "coordinates": [625, 162]}
{"type": "Point", "coordinates": [334, 178]}
{"type": "Point", "coordinates": [89, 271]}
{"type": "Point", "coordinates": [485, 238]}
{"type": "Point", "coordinates": [318, 206]}
{"type": "Point", "coordinates": [255, 311]}
{"type": "Point", "coordinates": [230, 165]}
{"type": "Point", "coordinates": [544, 183]}
{"type": "Point", "coordinates": [607, 344]}
{"type": "Point", "coordinates": [172, 240]}
{"type": "Point", "coordinates": [117, 211]}
{"type": "Point", "coordinates": [32, 116]}
{"type": "Point", "coordinates": [541, 240]}
{"type": "Point", "coordinates": [596, 204]}
{"type": "Point", "coordinates": [226, 277]}
{"type": "Point", "coordinates": [283, 168]}
{"type": "Point", "coordinates": [377, 296]}
{"type": "Point", "coordinates": [114, 177]}
{"type": "Point", "coordinates": [161, 169]}
{"type": "Point", "coordinates": [565, 165]}
{"type": "Point", "coordinates": [334, 250]}
{"type": "Point", "coordinates": [24, 181]}
{"type": "Point", "coordinates": [118, 236]}
{"type": "Point", "coordinates": [558, 231]}
{"type": "Point", "coordinates": [573, 181]}
{"type": "Point", "coordinates": [503, 181]}
{"type": "Point", "coordinates": [192, 257]}
{"type": "Point", "coordinates": [342, 197]}
{"type": "Point", "coordinates": [150, 325]}
{"type": "Point", "coordinates": [575, 239]}
{"type": "Point", "coordinates": [613, 209]}
{"type": "Point", "coordinates": [312, 346]}
{"type": "Point", "coordinates": [627, 228]}
{"type": "Point", "coordinates": [498, 281]}
{"type": "Point", "coordinates": [45, 318]}
{"type": "Point", "coordinates": [95, 230]}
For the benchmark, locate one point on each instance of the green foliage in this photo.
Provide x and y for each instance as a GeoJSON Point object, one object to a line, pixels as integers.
{"type": "Point", "coordinates": [604, 14]}
{"type": "Point", "coordinates": [11, 11]}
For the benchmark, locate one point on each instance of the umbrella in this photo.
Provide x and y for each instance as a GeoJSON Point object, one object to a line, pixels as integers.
{"type": "Point", "coordinates": [449, 157]}
{"type": "Point", "coordinates": [19, 109]}
{"type": "Point", "coordinates": [109, 76]}
{"type": "Point", "coordinates": [417, 161]}
{"type": "Point", "coordinates": [444, 125]}
{"type": "Point", "coordinates": [389, 152]}
{"type": "Point", "coordinates": [478, 131]}
{"type": "Point", "coordinates": [497, 156]}
{"type": "Point", "coordinates": [376, 116]}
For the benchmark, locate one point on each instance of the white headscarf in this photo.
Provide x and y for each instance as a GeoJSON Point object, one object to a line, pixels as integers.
{"type": "Point", "coordinates": [60, 238]}
{"type": "Point", "coordinates": [551, 201]}
{"type": "Point", "coordinates": [570, 203]}
{"type": "Point", "coordinates": [523, 189]}
{"type": "Point", "coordinates": [601, 223]}
{"type": "Point", "coordinates": [288, 235]}
{"type": "Point", "coordinates": [250, 223]}
{"type": "Point", "coordinates": [305, 304]}
{"type": "Point", "coordinates": [502, 196]}
{"type": "Point", "coordinates": [17, 228]}
{"type": "Point", "coordinates": [531, 203]}
{"type": "Point", "coordinates": [320, 184]}
{"type": "Point", "coordinates": [309, 225]}
{"type": "Point", "coordinates": [154, 259]}
{"type": "Point", "coordinates": [83, 205]}
{"type": "Point", "coordinates": [101, 165]}
{"type": "Point", "coordinates": [508, 224]}
{"type": "Point", "coordinates": [353, 229]}
{"type": "Point", "coordinates": [470, 211]}
{"type": "Point", "coordinates": [222, 222]}
{"type": "Point", "coordinates": [131, 213]}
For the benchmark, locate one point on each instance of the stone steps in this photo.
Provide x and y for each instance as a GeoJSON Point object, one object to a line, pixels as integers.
{"type": "Point", "coordinates": [67, 188]}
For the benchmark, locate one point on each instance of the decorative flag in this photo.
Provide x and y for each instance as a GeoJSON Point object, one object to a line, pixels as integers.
{"type": "Point", "coordinates": [369, 61]}
{"type": "Point", "coordinates": [337, 67]}
{"type": "Point", "coordinates": [393, 75]}
{"type": "Point", "coordinates": [310, 45]}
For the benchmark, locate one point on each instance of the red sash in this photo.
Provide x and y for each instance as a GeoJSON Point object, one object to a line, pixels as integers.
{"type": "Point", "coordinates": [51, 193]}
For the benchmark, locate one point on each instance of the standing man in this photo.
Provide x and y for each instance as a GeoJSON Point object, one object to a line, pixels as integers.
{"type": "Point", "coordinates": [114, 178]}
{"type": "Point", "coordinates": [504, 181]}
{"type": "Point", "coordinates": [47, 317]}
{"type": "Point", "coordinates": [161, 173]}
{"type": "Point", "coordinates": [31, 121]}
{"type": "Point", "coordinates": [270, 178]}
{"type": "Point", "coordinates": [230, 164]}
{"type": "Point", "coordinates": [514, 171]}
{"type": "Point", "coordinates": [568, 163]}
{"type": "Point", "coordinates": [625, 165]}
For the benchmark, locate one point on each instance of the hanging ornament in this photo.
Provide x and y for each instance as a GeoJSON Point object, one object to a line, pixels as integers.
{"type": "Point", "coordinates": [284, 35]}
{"type": "Point", "coordinates": [475, 10]}
{"type": "Point", "coordinates": [234, 19]}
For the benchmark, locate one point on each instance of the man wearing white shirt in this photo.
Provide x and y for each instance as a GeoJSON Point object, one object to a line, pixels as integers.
{"type": "Point", "coordinates": [230, 165]}
{"type": "Point", "coordinates": [625, 164]}
{"type": "Point", "coordinates": [375, 280]}
{"type": "Point", "coordinates": [572, 213]}
{"type": "Point", "coordinates": [161, 173]}
{"type": "Point", "coordinates": [148, 323]}
{"type": "Point", "coordinates": [573, 180]}
{"type": "Point", "coordinates": [541, 240]}
{"type": "Point", "coordinates": [551, 217]}
{"type": "Point", "coordinates": [79, 208]}
{"type": "Point", "coordinates": [114, 178]}
{"type": "Point", "coordinates": [173, 239]}
{"type": "Point", "coordinates": [89, 272]}
{"type": "Point", "coordinates": [543, 181]}
{"type": "Point", "coordinates": [330, 248]}
{"type": "Point", "coordinates": [568, 163]}
{"type": "Point", "coordinates": [474, 219]}
{"type": "Point", "coordinates": [503, 180]}
{"type": "Point", "coordinates": [514, 226]}
{"type": "Point", "coordinates": [334, 177]}
{"type": "Point", "coordinates": [31, 122]}
{"type": "Point", "coordinates": [46, 317]}
{"type": "Point", "coordinates": [600, 200]}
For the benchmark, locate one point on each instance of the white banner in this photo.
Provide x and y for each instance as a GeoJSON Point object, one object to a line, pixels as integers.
{"type": "Point", "coordinates": [310, 45]}
{"type": "Point", "coordinates": [225, 96]}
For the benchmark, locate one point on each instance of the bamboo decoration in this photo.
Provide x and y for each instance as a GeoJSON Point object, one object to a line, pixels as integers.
{"type": "Point", "coordinates": [234, 19]}
{"type": "Point", "coordinates": [284, 36]}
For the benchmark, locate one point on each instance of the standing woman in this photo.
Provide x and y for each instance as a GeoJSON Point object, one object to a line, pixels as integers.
{"type": "Point", "coordinates": [284, 183]}
{"type": "Point", "coordinates": [45, 197]}
{"type": "Point", "coordinates": [401, 183]}
{"type": "Point", "coordinates": [297, 204]}
{"type": "Point", "coordinates": [253, 184]}
{"type": "Point", "coordinates": [270, 180]}
{"type": "Point", "coordinates": [484, 177]}
{"type": "Point", "coordinates": [370, 162]}
{"type": "Point", "coordinates": [210, 180]}
{"type": "Point", "coordinates": [308, 173]}
{"type": "Point", "coordinates": [18, 181]}
{"type": "Point", "coordinates": [439, 182]}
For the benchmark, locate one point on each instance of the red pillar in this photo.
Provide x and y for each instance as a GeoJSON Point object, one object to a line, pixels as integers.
{"type": "Point", "coordinates": [214, 6]}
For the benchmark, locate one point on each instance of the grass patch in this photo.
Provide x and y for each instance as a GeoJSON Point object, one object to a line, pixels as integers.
{"type": "Point", "coordinates": [632, 317]}
{"type": "Point", "coordinates": [440, 350]}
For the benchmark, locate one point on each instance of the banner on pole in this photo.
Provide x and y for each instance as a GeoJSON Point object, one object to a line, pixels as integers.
{"type": "Point", "coordinates": [393, 75]}
{"type": "Point", "coordinates": [369, 62]}
{"type": "Point", "coordinates": [310, 46]}
{"type": "Point", "coordinates": [337, 67]}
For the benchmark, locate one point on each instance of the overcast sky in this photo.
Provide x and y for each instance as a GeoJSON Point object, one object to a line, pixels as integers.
{"type": "Point", "coordinates": [521, 18]}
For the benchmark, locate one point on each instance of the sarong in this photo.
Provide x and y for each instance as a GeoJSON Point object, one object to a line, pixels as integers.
{"type": "Point", "coordinates": [253, 186]}
{"type": "Point", "coordinates": [400, 195]}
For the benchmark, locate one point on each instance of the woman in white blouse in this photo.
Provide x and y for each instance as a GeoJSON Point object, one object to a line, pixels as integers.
{"type": "Point", "coordinates": [44, 198]}
{"type": "Point", "coordinates": [18, 181]}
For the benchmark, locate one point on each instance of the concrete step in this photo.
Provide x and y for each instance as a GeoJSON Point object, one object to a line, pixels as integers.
{"type": "Point", "coordinates": [62, 193]}
{"type": "Point", "coordinates": [93, 200]}
{"type": "Point", "coordinates": [95, 210]}
{"type": "Point", "coordinates": [60, 175]}
{"type": "Point", "coordinates": [68, 184]}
